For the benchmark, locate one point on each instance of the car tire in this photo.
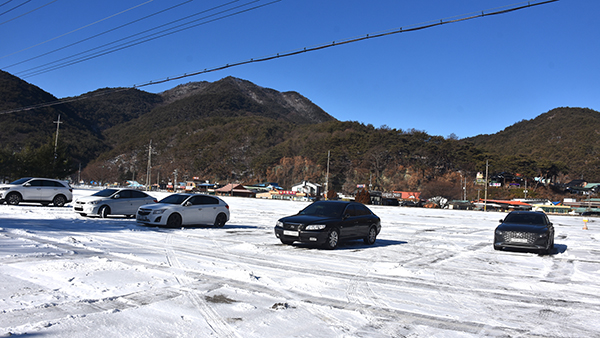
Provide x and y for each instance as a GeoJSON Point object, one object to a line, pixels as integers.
{"type": "Point", "coordinates": [371, 237]}
{"type": "Point", "coordinates": [220, 220]}
{"type": "Point", "coordinates": [174, 221]}
{"type": "Point", "coordinates": [83, 215]}
{"type": "Point", "coordinates": [104, 211]}
{"type": "Point", "coordinates": [59, 201]}
{"type": "Point", "coordinates": [497, 247]}
{"type": "Point", "coordinates": [332, 240]}
{"type": "Point", "coordinates": [13, 199]}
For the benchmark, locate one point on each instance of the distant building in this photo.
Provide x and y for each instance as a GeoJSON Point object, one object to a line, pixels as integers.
{"type": "Point", "coordinates": [234, 190]}
{"type": "Point", "coordinates": [308, 188]}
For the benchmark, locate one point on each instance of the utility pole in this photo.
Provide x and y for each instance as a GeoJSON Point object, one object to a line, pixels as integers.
{"type": "Point", "coordinates": [148, 172]}
{"type": "Point", "coordinates": [327, 177]}
{"type": "Point", "coordinates": [486, 186]}
{"type": "Point", "coordinates": [56, 139]}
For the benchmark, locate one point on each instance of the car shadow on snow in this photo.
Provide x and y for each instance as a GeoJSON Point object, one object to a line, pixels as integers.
{"type": "Point", "coordinates": [558, 249]}
{"type": "Point", "coordinates": [356, 245]}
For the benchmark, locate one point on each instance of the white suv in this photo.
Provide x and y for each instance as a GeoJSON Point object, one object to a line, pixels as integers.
{"type": "Point", "coordinates": [37, 190]}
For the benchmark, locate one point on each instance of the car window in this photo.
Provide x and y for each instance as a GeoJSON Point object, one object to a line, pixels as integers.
{"type": "Point", "coordinates": [324, 209]}
{"type": "Point", "coordinates": [350, 210]}
{"type": "Point", "coordinates": [21, 180]}
{"type": "Point", "coordinates": [105, 192]}
{"type": "Point", "coordinates": [174, 199]}
{"type": "Point", "coordinates": [125, 194]}
{"type": "Point", "coordinates": [138, 194]}
{"type": "Point", "coordinates": [529, 218]}
{"type": "Point", "coordinates": [195, 200]}
{"type": "Point", "coordinates": [36, 183]}
{"type": "Point", "coordinates": [208, 200]}
{"type": "Point", "coordinates": [362, 210]}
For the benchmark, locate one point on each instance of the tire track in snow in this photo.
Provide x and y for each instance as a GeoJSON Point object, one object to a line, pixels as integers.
{"type": "Point", "coordinates": [212, 318]}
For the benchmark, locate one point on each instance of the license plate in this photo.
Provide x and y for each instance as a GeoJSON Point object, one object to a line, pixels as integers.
{"type": "Point", "coordinates": [290, 233]}
{"type": "Point", "coordinates": [142, 218]}
{"type": "Point", "coordinates": [519, 240]}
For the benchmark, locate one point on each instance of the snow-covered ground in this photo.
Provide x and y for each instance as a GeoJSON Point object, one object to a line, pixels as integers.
{"type": "Point", "coordinates": [431, 273]}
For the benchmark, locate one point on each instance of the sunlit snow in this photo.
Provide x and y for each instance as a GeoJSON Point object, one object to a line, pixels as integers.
{"type": "Point", "coordinates": [431, 273]}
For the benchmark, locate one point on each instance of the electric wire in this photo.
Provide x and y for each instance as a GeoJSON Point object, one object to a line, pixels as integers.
{"type": "Point", "coordinates": [78, 29]}
{"type": "Point", "coordinates": [5, 3]}
{"type": "Point", "coordinates": [30, 72]}
{"type": "Point", "coordinates": [12, 9]}
{"type": "Point", "coordinates": [411, 28]}
{"type": "Point", "coordinates": [31, 11]}
{"type": "Point", "coordinates": [99, 34]}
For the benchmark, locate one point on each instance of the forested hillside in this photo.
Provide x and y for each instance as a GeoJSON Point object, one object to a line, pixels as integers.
{"type": "Point", "coordinates": [234, 131]}
{"type": "Point", "coordinates": [567, 137]}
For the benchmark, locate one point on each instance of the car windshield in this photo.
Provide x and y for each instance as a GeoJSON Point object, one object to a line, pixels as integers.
{"type": "Point", "coordinates": [105, 192]}
{"type": "Point", "coordinates": [324, 209]}
{"type": "Point", "coordinates": [525, 219]}
{"type": "Point", "coordinates": [174, 199]}
{"type": "Point", "coordinates": [21, 180]}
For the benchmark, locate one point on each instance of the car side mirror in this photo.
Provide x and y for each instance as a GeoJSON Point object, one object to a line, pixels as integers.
{"type": "Point", "coordinates": [501, 221]}
{"type": "Point", "coordinates": [346, 216]}
{"type": "Point", "coordinates": [187, 204]}
{"type": "Point", "coordinates": [117, 196]}
{"type": "Point", "coordinates": [27, 184]}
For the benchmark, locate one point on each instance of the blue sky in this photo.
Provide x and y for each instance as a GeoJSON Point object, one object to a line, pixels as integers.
{"type": "Point", "coordinates": [473, 77]}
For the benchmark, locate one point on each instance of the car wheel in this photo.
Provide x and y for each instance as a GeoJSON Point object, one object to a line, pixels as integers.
{"type": "Point", "coordinates": [59, 201]}
{"type": "Point", "coordinates": [371, 237]}
{"type": "Point", "coordinates": [333, 237]}
{"type": "Point", "coordinates": [83, 215]}
{"type": "Point", "coordinates": [104, 211]}
{"type": "Point", "coordinates": [174, 221]}
{"type": "Point", "coordinates": [220, 220]}
{"type": "Point", "coordinates": [13, 199]}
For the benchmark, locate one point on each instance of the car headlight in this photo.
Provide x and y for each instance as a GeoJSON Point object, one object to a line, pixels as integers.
{"type": "Point", "coordinates": [159, 211]}
{"type": "Point", "coordinates": [4, 188]}
{"type": "Point", "coordinates": [543, 235]}
{"type": "Point", "coordinates": [499, 232]}
{"type": "Point", "coordinates": [93, 202]}
{"type": "Point", "coordinates": [279, 224]}
{"type": "Point", "coordinates": [315, 227]}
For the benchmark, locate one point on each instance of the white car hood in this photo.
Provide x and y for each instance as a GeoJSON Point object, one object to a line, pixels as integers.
{"type": "Point", "coordinates": [91, 199]}
{"type": "Point", "coordinates": [155, 206]}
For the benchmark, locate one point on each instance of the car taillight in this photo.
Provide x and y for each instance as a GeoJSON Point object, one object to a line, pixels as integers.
{"type": "Point", "coordinates": [155, 201]}
{"type": "Point", "coordinates": [227, 206]}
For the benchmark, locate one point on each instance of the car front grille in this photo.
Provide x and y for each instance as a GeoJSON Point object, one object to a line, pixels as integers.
{"type": "Point", "coordinates": [143, 212]}
{"type": "Point", "coordinates": [514, 236]}
{"type": "Point", "coordinates": [292, 226]}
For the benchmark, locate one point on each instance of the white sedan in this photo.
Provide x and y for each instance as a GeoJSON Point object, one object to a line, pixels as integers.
{"type": "Point", "coordinates": [185, 209]}
{"type": "Point", "coordinates": [112, 202]}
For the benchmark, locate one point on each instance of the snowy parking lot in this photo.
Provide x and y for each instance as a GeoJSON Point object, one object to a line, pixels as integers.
{"type": "Point", "coordinates": [431, 273]}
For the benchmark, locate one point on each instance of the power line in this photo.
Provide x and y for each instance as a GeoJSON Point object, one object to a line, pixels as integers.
{"type": "Point", "coordinates": [31, 72]}
{"type": "Point", "coordinates": [100, 34]}
{"type": "Point", "coordinates": [150, 37]}
{"type": "Point", "coordinates": [413, 28]}
{"type": "Point", "coordinates": [12, 9]}
{"type": "Point", "coordinates": [350, 40]}
{"type": "Point", "coordinates": [31, 11]}
{"type": "Point", "coordinates": [78, 29]}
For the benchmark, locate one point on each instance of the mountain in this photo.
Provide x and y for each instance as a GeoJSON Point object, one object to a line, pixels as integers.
{"type": "Point", "coordinates": [232, 130]}
{"type": "Point", "coordinates": [567, 136]}
{"type": "Point", "coordinates": [35, 127]}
